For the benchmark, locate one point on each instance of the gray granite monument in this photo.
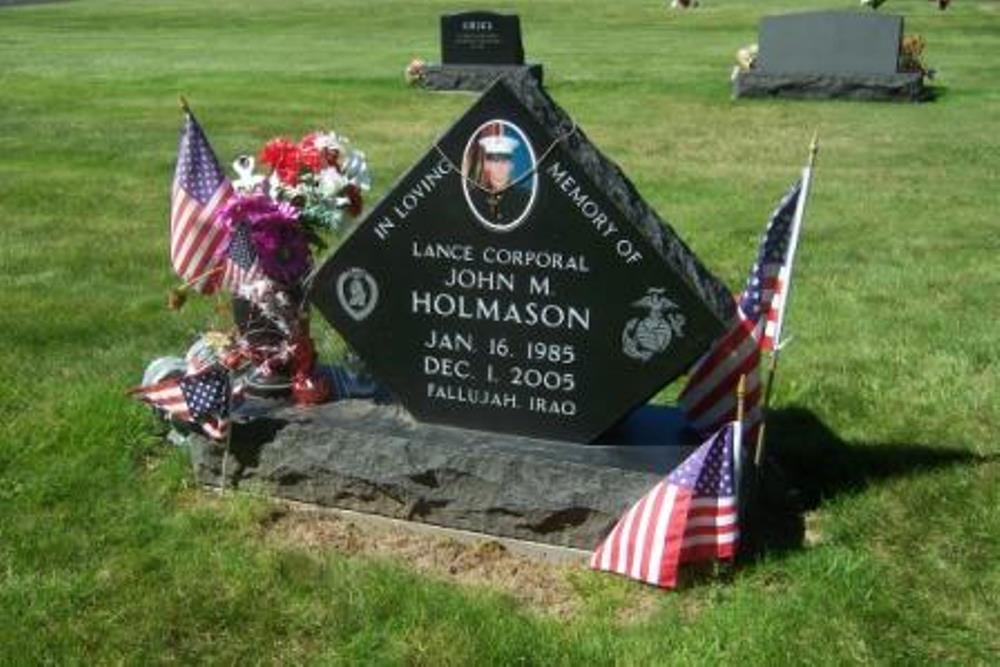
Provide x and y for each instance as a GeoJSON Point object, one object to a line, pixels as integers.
{"type": "Point", "coordinates": [830, 54]}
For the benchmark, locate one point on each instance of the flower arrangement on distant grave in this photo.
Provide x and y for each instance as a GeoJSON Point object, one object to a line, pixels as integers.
{"type": "Point", "coordinates": [911, 52]}
{"type": "Point", "coordinates": [746, 59]}
{"type": "Point", "coordinates": [415, 72]}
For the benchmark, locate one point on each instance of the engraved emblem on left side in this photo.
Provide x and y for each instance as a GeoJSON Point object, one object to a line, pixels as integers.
{"type": "Point", "coordinates": [357, 293]}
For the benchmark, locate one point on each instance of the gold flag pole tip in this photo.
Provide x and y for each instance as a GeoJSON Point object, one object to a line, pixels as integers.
{"type": "Point", "coordinates": [183, 102]}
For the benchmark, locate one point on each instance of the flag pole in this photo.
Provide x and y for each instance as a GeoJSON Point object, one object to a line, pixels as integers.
{"type": "Point", "coordinates": [792, 247]}
{"type": "Point", "coordinates": [184, 104]}
{"type": "Point", "coordinates": [229, 426]}
{"type": "Point", "coordinates": [741, 393]}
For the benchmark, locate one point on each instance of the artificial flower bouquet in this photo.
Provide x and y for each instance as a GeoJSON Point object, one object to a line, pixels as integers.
{"type": "Point", "coordinates": [255, 237]}
{"type": "Point", "coordinates": [311, 188]}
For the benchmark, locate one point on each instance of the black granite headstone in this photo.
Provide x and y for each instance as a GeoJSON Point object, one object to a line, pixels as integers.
{"type": "Point", "coordinates": [827, 42]}
{"type": "Point", "coordinates": [514, 281]}
{"type": "Point", "coordinates": [481, 38]}
{"type": "Point", "coordinates": [477, 48]}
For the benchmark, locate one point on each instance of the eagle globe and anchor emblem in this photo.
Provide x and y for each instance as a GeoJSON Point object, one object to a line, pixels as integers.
{"type": "Point", "coordinates": [645, 337]}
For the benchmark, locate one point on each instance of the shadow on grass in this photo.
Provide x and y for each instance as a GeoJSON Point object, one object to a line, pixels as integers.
{"type": "Point", "coordinates": [807, 463]}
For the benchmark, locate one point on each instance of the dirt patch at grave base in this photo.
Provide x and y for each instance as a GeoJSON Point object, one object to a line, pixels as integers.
{"type": "Point", "coordinates": [541, 586]}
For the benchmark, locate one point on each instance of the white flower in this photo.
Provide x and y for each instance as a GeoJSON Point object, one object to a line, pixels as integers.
{"type": "Point", "coordinates": [328, 141]}
{"type": "Point", "coordinates": [331, 182]}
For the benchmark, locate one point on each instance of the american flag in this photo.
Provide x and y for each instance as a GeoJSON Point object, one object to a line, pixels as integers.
{"type": "Point", "coordinates": [692, 515]}
{"type": "Point", "coordinates": [240, 260]}
{"type": "Point", "coordinates": [763, 299]}
{"type": "Point", "coordinates": [709, 398]}
{"type": "Point", "coordinates": [203, 398]}
{"type": "Point", "coordinates": [200, 189]}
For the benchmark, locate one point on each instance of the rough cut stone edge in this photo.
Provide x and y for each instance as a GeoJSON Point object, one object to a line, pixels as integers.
{"type": "Point", "coordinates": [903, 87]}
{"type": "Point", "coordinates": [473, 77]}
{"type": "Point", "coordinates": [610, 178]}
{"type": "Point", "coordinates": [376, 459]}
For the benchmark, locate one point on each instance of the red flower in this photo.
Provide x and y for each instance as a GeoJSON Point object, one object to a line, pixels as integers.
{"type": "Point", "coordinates": [317, 152]}
{"type": "Point", "coordinates": [353, 193]}
{"type": "Point", "coordinates": [284, 157]}
{"type": "Point", "coordinates": [311, 156]}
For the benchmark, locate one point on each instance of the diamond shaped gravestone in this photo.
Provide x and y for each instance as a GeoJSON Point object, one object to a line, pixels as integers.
{"type": "Point", "coordinates": [514, 281]}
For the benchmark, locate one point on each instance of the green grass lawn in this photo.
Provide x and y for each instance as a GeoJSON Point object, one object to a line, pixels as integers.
{"type": "Point", "coordinates": [888, 401]}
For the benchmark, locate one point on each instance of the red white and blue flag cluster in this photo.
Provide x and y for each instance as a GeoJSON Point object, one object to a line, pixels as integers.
{"type": "Point", "coordinates": [204, 398]}
{"type": "Point", "coordinates": [692, 515]}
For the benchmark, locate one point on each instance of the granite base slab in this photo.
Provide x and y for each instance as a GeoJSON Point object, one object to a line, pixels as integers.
{"type": "Point", "coordinates": [361, 456]}
{"type": "Point", "coordinates": [903, 87]}
{"type": "Point", "coordinates": [473, 77]}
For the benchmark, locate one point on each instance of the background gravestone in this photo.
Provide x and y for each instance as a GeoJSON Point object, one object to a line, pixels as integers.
{"type": "Point", "coordinates": [830, 43]}
{"type": "Point", "coordinates": [481, 38]}
{"type": "Point", "coordinates": [830, 54]}
{"type": "Point", "coordinates": [477, 47]}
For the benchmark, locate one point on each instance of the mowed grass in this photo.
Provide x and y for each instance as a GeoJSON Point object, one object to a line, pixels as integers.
{"type": "Point", "coordinates": [887, 404]}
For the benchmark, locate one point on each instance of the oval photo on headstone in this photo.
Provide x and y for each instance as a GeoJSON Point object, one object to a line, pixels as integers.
{"type": "Point", "coordinates": [499, 176]}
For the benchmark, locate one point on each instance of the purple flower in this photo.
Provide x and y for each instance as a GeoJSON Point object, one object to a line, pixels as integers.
{"type": "Point", "coordinates": [281, 245]}
{"type": "Point", "coordinates": [254, 208]}
{"type": "Point", "coordinates": [282, 249]}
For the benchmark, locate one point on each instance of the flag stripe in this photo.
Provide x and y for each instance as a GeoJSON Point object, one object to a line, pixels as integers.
{"type": "Point", "coordinates": [675, 533]}
{"type": "Point", "coordinates": [199, 250]}
{"type": "Point", "coordinates": [655, 569]}
{"type": "Point", "coordinates": [641, 557]}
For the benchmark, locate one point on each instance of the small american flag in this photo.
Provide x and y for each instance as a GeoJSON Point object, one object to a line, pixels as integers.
{"type": "Point", "coordinates": [692, 515]}
{"type": "Point", "coordinates": [709, 398]}
{"type": "Point", "coordinates": [200, 189]}
{"type": "Point", "coordinates": [240, 261]}
{"type": "Point", "coordinates": [203, 398]}
{"type": "Point", "coordinates": [763, 299]}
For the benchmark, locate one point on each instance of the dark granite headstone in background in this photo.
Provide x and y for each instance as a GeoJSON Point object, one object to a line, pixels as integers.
{"type": "Point", "coordinates": [828, 54]}
{"type": "Point", "coordinates": [481, 38]}
{"type": "Point", "coordinates": [514, 281]}
{"type": "Point", "coordinates": [477, 47]}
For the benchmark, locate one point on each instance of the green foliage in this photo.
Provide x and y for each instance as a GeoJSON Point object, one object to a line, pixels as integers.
{"type": "Point", "coordinates": [107, 555]}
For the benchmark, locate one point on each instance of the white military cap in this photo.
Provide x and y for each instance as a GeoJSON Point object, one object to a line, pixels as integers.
{"type": "Point", "coordinates": [502, 145]}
